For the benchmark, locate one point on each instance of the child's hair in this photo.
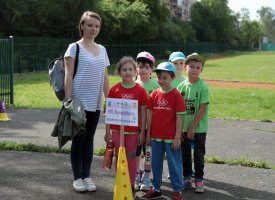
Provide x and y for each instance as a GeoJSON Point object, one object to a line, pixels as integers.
{"type": "Point", "coordinates": [159, 72]}
{"type": "Point", "coordinates": [144, 61]}
{"type": "Point", "coordinates": [83, 18]}
{"type": "Point", "coordinates": [124, 60]}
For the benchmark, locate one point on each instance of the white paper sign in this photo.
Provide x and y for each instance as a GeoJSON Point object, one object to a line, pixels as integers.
{"type": "Point", "coordinates": [121, 112]}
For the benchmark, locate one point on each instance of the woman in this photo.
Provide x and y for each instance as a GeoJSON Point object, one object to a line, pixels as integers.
{"type": "Point", "coordinates": [90, 81]}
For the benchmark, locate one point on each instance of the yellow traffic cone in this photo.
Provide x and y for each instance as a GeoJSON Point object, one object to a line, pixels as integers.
{"type": "Point", "coordinates": [123, 189]}
{"type": "Point", "coordinates": [3, 114]}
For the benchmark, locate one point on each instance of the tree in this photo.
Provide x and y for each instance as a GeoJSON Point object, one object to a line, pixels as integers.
{"type": "Point", "coordinates": [51, 18]}
{"type": "Point", "coordinates": [212, 20]}
{"type": "Point", "coordinates": [250, 31]}
{"type": "Point", "coordinates": [123, 19]}
{"type": "Point", "coordinates": [267, 19]}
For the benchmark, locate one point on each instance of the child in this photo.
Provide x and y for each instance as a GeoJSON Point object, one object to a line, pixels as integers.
{"type": "Point", "coordinates": [128, 89]}
{"type": "Point", "coordinates": [145, 62]}
{"type": "Point", "coordinates": [195, 92]}
{"type": "Point", "coordinates": [178, 59]}
{"type": "Point", "coordinates": [164, 131]}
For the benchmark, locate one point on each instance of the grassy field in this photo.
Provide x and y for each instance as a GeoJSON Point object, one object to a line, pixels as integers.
{"type": "Point", "coordinates": [33, 90]}
{"type": "Point", "coordinates": [248, 67]}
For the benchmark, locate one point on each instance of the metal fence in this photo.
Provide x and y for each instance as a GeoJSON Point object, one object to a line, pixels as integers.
{"type": "Point", "coordinates": [6, 70]}
{"type": "Point", "coordinates": [268, 47]}
{"type": "Point", "coordinates": [34, 54]}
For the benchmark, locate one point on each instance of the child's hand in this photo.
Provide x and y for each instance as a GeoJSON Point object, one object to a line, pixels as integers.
{"type": "Point", "coordinates": [191, 133]}
{"type": "Point", "coordinates": [104, 109]}
{"type": "Point", "coordinates": [108, 137]}
{"type": "Point", "coordinates": [176, 143]}
{"type": "Point", "coordinates": [140, 139]}
{"type": "Point", "coordinates": [148, 141]}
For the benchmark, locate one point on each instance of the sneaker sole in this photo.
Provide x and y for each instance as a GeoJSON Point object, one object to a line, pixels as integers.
{"type": "Point", "coordinates": [91, 190]}
{"type": "Point", "coordinates": [188, 188]}
{"type": "Point", "coordinates": [80, 190]}
{"type": "Point", "coordinates": [151, 198]}
{"type": "Point", "coordinates": [144, 188]}
{"type": "Point", "coordinates": [199, 191]}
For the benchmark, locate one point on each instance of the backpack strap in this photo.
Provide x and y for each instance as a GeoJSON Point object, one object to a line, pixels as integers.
{"type": "Point", "coordinates": [76, 59]}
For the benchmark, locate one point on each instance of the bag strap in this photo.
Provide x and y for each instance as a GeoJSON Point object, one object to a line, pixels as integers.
{"type": "Point", "coordinates": [76, 59]}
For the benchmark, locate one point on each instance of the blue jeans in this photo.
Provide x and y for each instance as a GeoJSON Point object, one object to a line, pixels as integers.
{"type": "Point", "coordinates": [174, 164]}
{"type": "Point", "coordinates": [199, 152]}
{"type": "Point", "coordinates": [82, 148]}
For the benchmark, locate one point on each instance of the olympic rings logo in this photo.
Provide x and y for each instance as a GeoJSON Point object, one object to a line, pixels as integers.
{"type": "Point", "coordinates": [162, 103]}
{"type": "Point", "coordinates": [127, 96]}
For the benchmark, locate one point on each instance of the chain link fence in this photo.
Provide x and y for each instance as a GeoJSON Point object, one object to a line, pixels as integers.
{"type": "Point", "coordinates": [34, 54]}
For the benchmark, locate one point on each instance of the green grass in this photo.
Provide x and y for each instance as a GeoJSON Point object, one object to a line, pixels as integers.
{"type": "Point", "coordinates": [247, 67]}
{"type": "Point", "coordinates": [6, 145]}
{"type": "Point", "coordinates": [33, 90]}
{"type": "Point", "coordinates": [249, 104]}
{"type": "Point", "coordinates": [243, 161]}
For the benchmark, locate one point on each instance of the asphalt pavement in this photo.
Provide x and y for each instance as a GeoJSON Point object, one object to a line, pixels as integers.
{"type": "Point", "coordinates": [35, 176]}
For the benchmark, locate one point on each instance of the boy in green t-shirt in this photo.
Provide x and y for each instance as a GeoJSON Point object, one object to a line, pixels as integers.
{"type": "Point", "coordinates": [195, 123]}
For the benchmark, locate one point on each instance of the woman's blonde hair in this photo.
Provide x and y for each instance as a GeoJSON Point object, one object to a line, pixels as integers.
{"type": "Point", "coordinates": [83, 18]}
{"type": "Point", "coordinates": [124, 60]}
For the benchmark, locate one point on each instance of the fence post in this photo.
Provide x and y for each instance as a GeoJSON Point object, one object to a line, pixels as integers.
{"type": "Point", "coordinates": [11, 69]}
{"type": "Point", "coordinates": [35, 65]}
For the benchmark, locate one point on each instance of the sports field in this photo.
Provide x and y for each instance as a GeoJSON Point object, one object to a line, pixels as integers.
{"type": "Point", "coordinates": [242, 86]}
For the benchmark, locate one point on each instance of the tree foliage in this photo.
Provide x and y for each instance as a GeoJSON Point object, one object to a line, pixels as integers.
{"type": "Point", "coordinates": [212, 20]}
{"type": "Point", "coordinates": [120, 19]}
{"type": "Point", "coordinates": [267, 18]}
{"type": "Point", "coordinates": [137, 21]}
{"type": "Point", "coordinates": [51, 18]}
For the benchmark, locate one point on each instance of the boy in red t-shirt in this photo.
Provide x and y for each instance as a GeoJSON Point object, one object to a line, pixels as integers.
{"type": "Point", "coordinates": [166, 105]}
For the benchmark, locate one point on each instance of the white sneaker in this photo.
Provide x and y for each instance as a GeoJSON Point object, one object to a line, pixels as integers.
{"type": "Point", "coordinates": [89, 184]}
{"type": "Point", "coordinates": [79, 185]}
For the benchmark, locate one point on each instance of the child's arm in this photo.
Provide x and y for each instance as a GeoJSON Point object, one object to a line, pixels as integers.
{"type": "Point", "coordinates": [108, 135]}
{"type": "Point", "coordinates": [149, 122]}
{"type": "Point", "coordinates": [142, 124]}
{"type": "Point", "coordinates": [177, 140]}
{"type": "Point", "coordinates": [198, 117]}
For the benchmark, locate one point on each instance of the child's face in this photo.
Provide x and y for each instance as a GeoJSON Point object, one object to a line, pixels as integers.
{"type": "Point", "coordinates": [127, 73]}
{"type": "Point", "coordinates": [193, 69]}
{"type": "Point", "coordinates": [144, 70]}
{"type": "Point", "coordinates": [179, 64]}
{"type": "Point", "coordinates": [164, 80]}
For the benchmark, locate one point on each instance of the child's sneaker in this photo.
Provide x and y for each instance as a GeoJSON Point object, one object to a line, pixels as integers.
{"type": "Point", "coordinates": [177, 196]}
{"type": "Point", "coordinates": [145, 184]}
{"type": "Point", "coordinates": [199, 186]}
{"type": "Point", "coordinates": [151, 194]}
{"type": "Point", "coordinates": [133, 192]}
{"type": "Point", "coordinates": [137, 181]}
{"type": "Point", "coordinates": [186, 184]}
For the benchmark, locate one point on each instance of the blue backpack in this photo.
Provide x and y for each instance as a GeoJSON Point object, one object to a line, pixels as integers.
{"type": "Point", "coordinates": [57, 74]}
